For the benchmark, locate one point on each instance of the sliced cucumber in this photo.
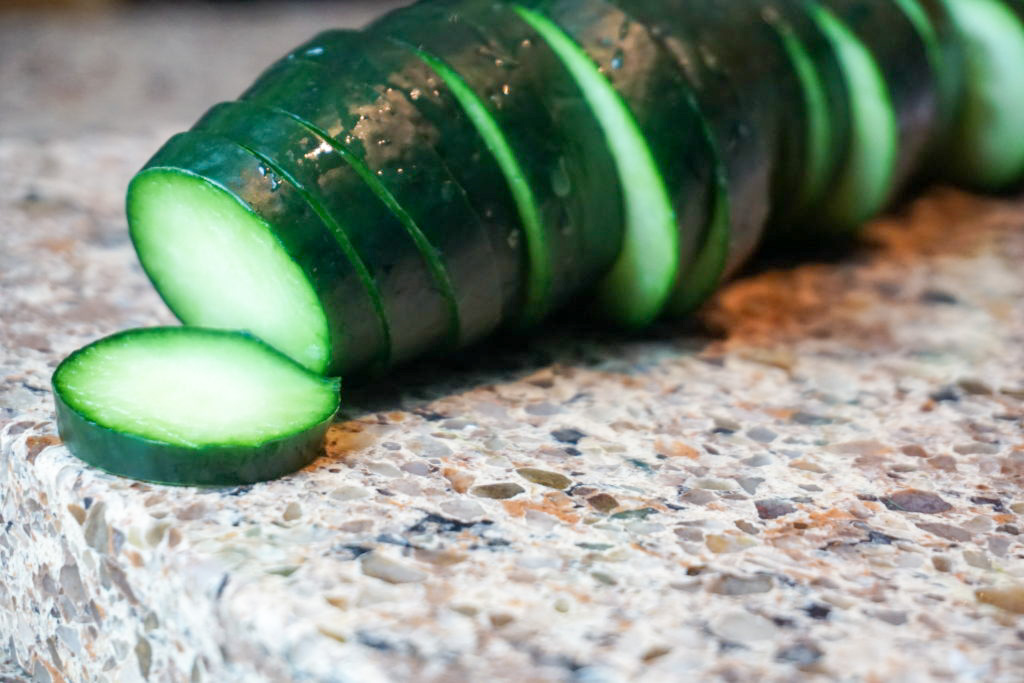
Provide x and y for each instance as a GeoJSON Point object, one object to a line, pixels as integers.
{"type": "Point", "coordinates": [865, 179]}
{"type": "Point", "coordinates": [987, 149]}
{"type": "Point", "coordinates": [230, 244]}
{"type": "Point", "coordinates": [191, 406]}
{"type": "Point", "coordinates": [634, 292]}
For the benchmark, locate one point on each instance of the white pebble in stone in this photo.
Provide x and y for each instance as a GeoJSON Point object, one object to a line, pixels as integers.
{"type": "Point", "coordinates": [462, 510]}
{"type": "Point", "coordinates": [349, 493]}
{"type": "Point", "coordinates": [384, 568]}
{"type": "Point", "coordinates": [743, 627]}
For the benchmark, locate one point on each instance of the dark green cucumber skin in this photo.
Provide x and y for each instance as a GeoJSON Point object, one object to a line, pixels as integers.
{"type": "Point", "coordinates": [789, 219]}
{"type": "Point", "coordinates": [648, 79]}
{"type": "Point", "coordinates": [299, 230]}
{"type": "Point", "coordinates": [373, 124]}
{"type": "Point", "coordinates": [546, 119]}
{"type": "Point", "coordinates": [136, 457]}
{"type": "Point", "coordinates": [895, 44]}
{"type": "Point", "coordinates": [734, 82]}
{"type": "Point", "coordinates": [454, 137]}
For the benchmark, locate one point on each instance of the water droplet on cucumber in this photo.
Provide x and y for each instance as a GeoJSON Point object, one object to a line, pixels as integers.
{"type": "Point", "coordinates": [561, 184]}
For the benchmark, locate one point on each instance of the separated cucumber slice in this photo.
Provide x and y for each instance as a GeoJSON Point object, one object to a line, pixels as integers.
{"type": "Point", "coordinates": [987, 149]}
{"type": "Point", "coordinates": [229, 243]}
{"type": "Point", "coordinates": [191, 406]}
{"type": "Point", "coordinates": [865, 179]}
{"type": "Point", "coordinates": [634, 292]}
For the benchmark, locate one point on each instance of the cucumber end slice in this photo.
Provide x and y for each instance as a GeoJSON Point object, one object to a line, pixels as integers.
{"type": "Point", "coordinates": [865, 181]}
{"type": "Point", "coordinates": [191, 406]}
{"type": "Point", "coordinates": [217, 264]}
{"type": "Point", "coordinates": [634, 292]}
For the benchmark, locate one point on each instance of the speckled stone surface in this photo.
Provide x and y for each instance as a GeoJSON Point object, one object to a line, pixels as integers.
{"type": "Point", "coordinates": [822, 476]}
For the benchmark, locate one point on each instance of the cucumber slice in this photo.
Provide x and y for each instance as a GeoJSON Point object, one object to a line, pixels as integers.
{"type": "Point", "coordinates": [987, 150]}
{"type": "Point", "coordinates": [537, 292]}
{"type": "Point", "coordinates": [376, 125]}
{"type": "Point", "coordinates": [809, 152]}
{"type": "Point", "coordinates": [865, 180]}
{"type": "Point", "coordinates": [191, 406]}
{"type": "Point", "coordinates": [698, 282]}
{"type": "Point", "coordinates": [933, 22]}
{"type": "Point", "coordinates": [743, 87]}
{"type": "Point", "coordinates": [538, 106]}
{"type": "Point", "coordinates": [634, 292]}
{"type": "Point", "coordinates": [230, 244]}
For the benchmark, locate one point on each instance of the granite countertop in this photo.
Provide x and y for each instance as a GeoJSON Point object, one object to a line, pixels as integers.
{"type": "Point", "coordinates": [823, 474]}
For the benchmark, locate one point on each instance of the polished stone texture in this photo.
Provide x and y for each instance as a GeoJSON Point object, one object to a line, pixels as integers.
{"type": "Point", "coordinates": [822, 475]}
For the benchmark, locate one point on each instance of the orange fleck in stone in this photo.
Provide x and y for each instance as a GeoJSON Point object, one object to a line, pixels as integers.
{"type": "Point", "coordinates": [1010, 598]}
{"type": "Point", "coordinates": [37, 444]}
{"type": "Point", "coordinates": [460, 481]}
{"type": "Point", "coordinates": [677, 449]}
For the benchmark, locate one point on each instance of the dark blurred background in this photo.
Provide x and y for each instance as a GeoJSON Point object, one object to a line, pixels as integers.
{"type": "Point", "coordinates": [72, 67]}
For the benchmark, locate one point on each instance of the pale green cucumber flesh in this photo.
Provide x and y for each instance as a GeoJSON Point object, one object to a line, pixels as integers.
{"type": "Point", "coordinates": [193, 387]}
{"type": "Point", "coordinates": [637, 287]}
{"type": "Point", "coordinates": [217, 264]}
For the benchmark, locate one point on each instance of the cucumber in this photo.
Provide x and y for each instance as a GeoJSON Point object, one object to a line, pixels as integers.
{"type": "Point", "coordinates": [191, 406]}
{"type": "Point", "coordinates": [538, 106]}
{"type": "Point", "coordinates": [229, 243]}
{"type": "Point", "coordinates": [375, 125]}
{"type": "Point", "coordinates": [470, 143]}
{"type": "Point", "coordinates": [637, 288]}
{"type": "Point", "coordinates": [987, 149]}
{"type": "Point", "coordinates": [867, 175]}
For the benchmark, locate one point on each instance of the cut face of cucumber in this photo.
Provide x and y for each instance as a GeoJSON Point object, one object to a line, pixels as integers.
{"type": "Point", "coordinates": [217, 264]}
{"type": "Point", "coordinates": [865, 179]}
{"type": "Point", "coordinates": [988, 145]}
{"type": "Point", "coordinates": [191, 406]}
{"type": "Point", "coordinates": [634, 292]}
